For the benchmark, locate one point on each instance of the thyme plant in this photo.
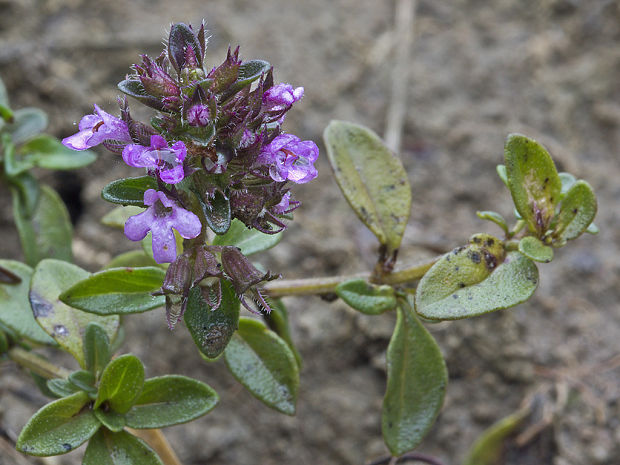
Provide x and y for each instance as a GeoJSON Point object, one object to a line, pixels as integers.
{"type": "Point", "coordinates": [214, 171]}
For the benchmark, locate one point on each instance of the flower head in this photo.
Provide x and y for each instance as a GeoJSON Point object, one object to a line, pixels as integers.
{"type": "Point", "coordinates": [290, 158]}
{"type": "Point", "coordinates": [162, 215]}
{"type": "Point", "coordinates": [198, 115]}
{"type": "Point", "coordinates": [282, 96]}
{"type": "Point", "coordinates": [96, 128]}
{"type": "Point", "coordinates": [167, 161]}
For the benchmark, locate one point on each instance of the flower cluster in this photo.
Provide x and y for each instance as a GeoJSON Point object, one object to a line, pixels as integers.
{"type": "Point", "coordinates": [217, 137]}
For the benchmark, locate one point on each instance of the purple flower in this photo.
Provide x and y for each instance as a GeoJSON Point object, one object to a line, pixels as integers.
{"type": "Point", "coordinates": [96, 128]}
{"type": "Point", "coordinates": [290, 158]}
{"type": "Point", "coordinates": [162, 215]}
{"type": "Point", "coordinates": [167, 161]}
{"type": "Point", "coordinates": [282, 96]}
{"type": "Point", "coordinates": [198, 115]}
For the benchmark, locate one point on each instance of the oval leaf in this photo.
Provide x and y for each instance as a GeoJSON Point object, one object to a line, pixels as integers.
{"type": "Point", "coordinates": [170, 400]}
{"type": "Point", "coordinates": [533, 248]}
{"type": "Point", "coordinates": [27, 123]}
{"type": "Point", "coordinates": [121, 383]}
{"type": "Point", "coordinates": [117, 291]}
{"type": "Point", "coordinates": [58, 427]}
{"type": "Point", "coordinates": [65, 324]}
{"type": "Point", "coordinates": [47, 231]}
{"type": "Point", "coordinates": [111, 420]}
{"type": "Point", "coordinates": [15, 311]}
{"type": "Point", "coordinates": [121, 448]}
{"type": "Point", "coordinates": [365, 297]}
{"type": "Point", "coordinates": [135, 89]}
{"type": "Point", "coordinates": [96, 349]}
{"type": "Point", "coordinates": [248, 240]}
{"type": "Point", "coordinates": [371, 178]}
{"type": "Point", "coordinates": [416, 383]}
{"type": "Point", "coordinates": [264, 364]}
{"type": "Point", "coordinates": [277, 320]}
{"type": "Point", "coordinates": [129, 191]}
{"type": "Point", "coordinates": [512, 282]}
{"type": "Point", "coordinates": [577, 212]}
{"type": "Point", "coordinates": [211, 330]}
{"type": "Point", "coordinates": [217, 212]}
{"type": "Point", "coordinates": [533, 181]}
{"type": "Point", "coordinates": [48, 152]}
{"type": "Point", "coordinates": [495, 218]}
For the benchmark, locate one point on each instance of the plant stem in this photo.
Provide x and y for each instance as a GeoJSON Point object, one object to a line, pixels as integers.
{"type": "Point", "coordinates": [31, 361]}
{"type": "Point", "coordinates": [326, 285]}
{"type": "Point", "coordinates": [38, 365]}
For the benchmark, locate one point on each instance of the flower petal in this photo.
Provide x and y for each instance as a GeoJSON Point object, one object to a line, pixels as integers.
{"type": "Point", "coordinates": [79, 141]}
{"type": "Point", "coordinates": [187, 223]}
{"type": "Point", "coordinates": [164, 244]}
{"type": "Point", "coordinates": [88, 122]}
{"type": "Point", "coordinates": [173, 175]}
{"type": "Point", "coordinates": [138, 226]}
{"type": "Point", "coordinates": [133, 155]}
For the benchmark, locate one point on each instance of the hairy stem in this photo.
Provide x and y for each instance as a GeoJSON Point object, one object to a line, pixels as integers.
{"type": "Point", "coordinates": [327, 285]}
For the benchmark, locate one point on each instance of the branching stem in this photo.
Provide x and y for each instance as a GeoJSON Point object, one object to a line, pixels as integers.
{"type": "Point", "coordinates": [327, 285]}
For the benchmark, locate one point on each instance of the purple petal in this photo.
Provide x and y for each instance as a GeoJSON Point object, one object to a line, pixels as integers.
{"type": "Point", "coordinates": [151, 196]}
{"type": "Point", "coordinates": [158, 142]}
{"type": "Point", "coordinates": [164, 244]}
{"type": "Point", "coordinates": [134, 155]}
{"type": "Point", "coordinates": [137, 227]}
{"type": "Point", "coordinates": [180, 150]}
{"type": "Point", "coordinates": [186, 223]}
{"type": "Point", "coordinates": [89, 121]}
{"type": "Point", "coordinates": [79, 141]}
{"type": "Point", "coordinates": [173, 175]}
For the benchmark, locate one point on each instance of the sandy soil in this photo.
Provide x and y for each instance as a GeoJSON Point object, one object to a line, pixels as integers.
{"type": "Point", "coordinates": [548, 69]}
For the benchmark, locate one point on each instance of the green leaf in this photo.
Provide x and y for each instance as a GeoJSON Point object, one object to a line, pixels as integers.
{"type": "Point", "coordinates": [83, 380]}
{"type": "Point", "coordinates": [4, 343]}
{"type": "Point", "coordinates": [170, 400]}
{"type": "Point", "coordinates": [371, 178]}
{"type": "Point", "coordinates": [96, 348]}
{"type": "Point", "coordinates": [65, 324]}
{"type": "Point", "coordinates": [277, 321]}
{"type": "Point", "coordinates": [59, 427]}
{"type": "Point", "coordinates": [117, 291]}
{"type": "Point", "coordinates": [592, 229]}
{"type": "Point", "coordinates": [488, 448]}
{"type": "Point", "coordinates": [495, 218]}
{"type": "Point", "coordinates": [133, 258]}
{"type": "Point", "coordinates": [217, 212]}
{"type": "Point", "coordinates": [501, 172]}
{"type": "Point", "coordinates": [129, 191]}
{"type": "Point", "coordinates": [47, 232]}
{"type": "Point", "coordinates": [248, 240]}
{"type": "Point", "coordinates": [121, 383]}
{"type": "Point", "coordinates": [48, 152]}
{"type": "Point", "coordinates": [14, 164]}
{"type": "Point", "coordinates": [41, 383]}
{"type": "Point", "coordinates": [533, 248]}
{"type": "Point", "coordinates": [62, 387]}
{"type": "Point", "coordinates": [577, 212]}
{"type": "Point", "coordinates": [567, 180]}
{"type": "Point", "coordinates": [15, 311]}
{"type": "Point", "coordinates": [121, 448]}
{"type": "Point", "coordinates": [365, 297]}
{"type": "Point", "coordinates": [416, 383]}
{"type": "Point", "coordinates": [264, 364]}
{"type": "Point", "coordinates": [27, 123]}
{"type": "Point", "coordinates": [27, 188]}
{"type": "Point", "coordinates": [117, 217]}
{"type": "Point", "coordinates": [111, 420]}
{"type": "Point", "coordinates": [512, 282]}
{"type": "Point", "coordinates": [533, 181]}
{"type": "Point", "coordinates": [135, 89]}
{"type": "Point", "coordinates": [249, 71]}
{"type": "Point", "coordinates": [210, 329]}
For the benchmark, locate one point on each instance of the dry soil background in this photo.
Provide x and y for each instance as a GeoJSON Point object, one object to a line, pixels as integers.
{"type": "Point", "coordinates": [479, 70]}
